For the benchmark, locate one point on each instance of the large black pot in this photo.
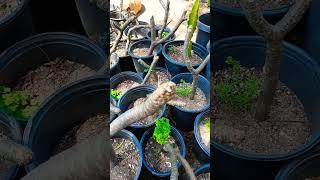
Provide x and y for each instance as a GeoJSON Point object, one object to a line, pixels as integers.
{"type": "Point", "coordinates": [62, 111]}
{"type": "Point", "coordinates": [31, 53]}
{"type": "Point", "coordinates": [16, 26]}
{"type": "Point", "coordinates": [300, 73]}
{"type": "Point", "coordinates": [12, 128]}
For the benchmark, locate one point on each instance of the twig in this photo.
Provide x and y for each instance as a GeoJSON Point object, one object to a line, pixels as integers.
{"type": "Point", "coordinates": [186, 166]}
{"type": "Point", "coordinates": [152, 29]}
{"type": "Point", "coordinates": [166, 15]}
{"type": "Point", "coordinates": [173, 159]}
{"type": "Point", "coordinates": [152, 66]}
{"type": "Point", "coordinates": [145, 65]}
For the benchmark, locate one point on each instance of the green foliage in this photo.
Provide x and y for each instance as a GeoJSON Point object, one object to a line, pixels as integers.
{"type": "Point", "coordinates": [171, 48]}
{"type": "Point", "coordinates": [208, 3]}
{"type": "Point", "coordinates": [162, 130]}
{"type": "Point", "coordinates": [184, 89]}
{"type": "Point", "coordinates": [207, 123]}
{"type": "Point", "coordinates": [17, 103]}
{"type": "Point", "coordinates": [192, 24]}
{"type": "Point", "coordinates": [238, 93]}
{"type": "Point", "coordinates": [164, 34]}
{"type": "Point", "coordinates": [115, 94]}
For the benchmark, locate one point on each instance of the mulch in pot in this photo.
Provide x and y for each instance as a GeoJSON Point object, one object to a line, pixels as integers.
{"type": "Point", "coordinates": [126, 85]}
{"type": "Point", "coordinates": [8, 6]}
{"type": "Point", "coordinates": [156, 155]}
{"type": "Point", "coordinates": [176, 53]}
{"type": "Point", "coordinates": [128, 156]}
{"type": "Point", "coordinates": [148, 120]}
{"type": "Point", "coordinates": [43, 81]}
{"type": "Point", "coordinates": [141, 52]}
{"type": "Point", "coordinates": [197, 103]}
{"type": "Point", "coordinates": [286, 129]}
{"type": "Point", "coordinates": [157, 78]}
{"type": "Point", "coordinates": [4, 164]}
{"type": "Point", "coordinates": [266, 4]}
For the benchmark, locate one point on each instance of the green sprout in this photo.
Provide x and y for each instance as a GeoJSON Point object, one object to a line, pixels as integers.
{"type": "Point", "coordinates": [192, 24]}
{"type": "Point", "coordinates": [184, 89]}
{"type": "Point", "coordinates": [162, 131]}
{"type": "Point", "coordinates": [237, 93]}
{"type": "Point", "coordinates": [207, 123]}
{"type": "Point", "coordinates": [115, 94]}
{"type": "Point", "coordinates": [164, 34]}
{"type": "Point", "coordinates": [17, 103]}
{"type": "Point", "coordinates": [171, 48]}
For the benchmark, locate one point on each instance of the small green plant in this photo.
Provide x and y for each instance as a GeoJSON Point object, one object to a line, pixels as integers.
{"type": "Point", "coordinates": [208, 3]}
{"type": "Point", "coordinates": [192, 24]}
{"type": "Point", "coordinates": [207, 123]}
{"type": "Point", "coordinates": [238, 93]}
{"type": "Point", "coordinates": [184, 89]}
{"type": "Point", "coordinates": [115, 94]}
{"type": "Point", "coordinates": [162, 131]}
{"type": "Point", "coordinates": [17, 103]}
{"type": "Point", "coordinates": [171, 48]}
{"type": "Point", "coordinates": [164, 34]}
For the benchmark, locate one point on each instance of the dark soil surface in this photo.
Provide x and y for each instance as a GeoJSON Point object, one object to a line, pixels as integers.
{"type": "Point", "coordinates": [7, 7]}
{"type": "Point", "coordinates": [205, 176]}
{"type": "Point", "coordinates": [266, 4]}
{"type": "Point", "coordinates": [126, 85]}
{"type": "Point", "coordinates": [177, 54]}
{"type": "Point", "coordinates": [286, 129]}
{"type": "Point", "coordinates": [157, 157]}
{"type": "Point", "coordinates": [79, 133]}
{"type": "Point", "coordinates": [197, 103]}
{"type": "Point", "coordinates": [148, 120]}
{"type": "Point", "coordinates": [4, 165]}
{"type": "Point", "coordinates": [204, 134]}
{"type": "Point", "coordinates": [128, 157]}
{"type": "Point", "coordinates": [48, 78]}
{"type": "Point", "coordinates": [158, 78]}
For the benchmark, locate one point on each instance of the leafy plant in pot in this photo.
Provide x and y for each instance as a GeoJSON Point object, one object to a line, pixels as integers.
{"type": "Point", "coordinates": [146, 49]}
{"type": "Point", "coordinates": [251, 98]}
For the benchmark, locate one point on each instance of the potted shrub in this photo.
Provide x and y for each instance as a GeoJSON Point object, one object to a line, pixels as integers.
{"type": "Point", "coordinates": [249, 97]}
{"type": "Point", "coordinates": [49, 60]}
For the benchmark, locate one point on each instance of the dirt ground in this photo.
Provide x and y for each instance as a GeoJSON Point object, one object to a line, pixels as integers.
{"type": "Point", "coordinates": [154, 8]}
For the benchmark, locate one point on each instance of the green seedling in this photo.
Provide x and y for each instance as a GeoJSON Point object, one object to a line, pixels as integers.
{"type": "Point", "coordinates": [171, 48]}
{"type": "Point", "coordinates": [162, 131]}
{"type": "Point", "coordinates": [17, 103]}
{"type": "Point", "coordinates": [184, 89]}
{"type": "Point", "coordinates": [238, 92]}
{"type": "Point", "coordinates": [207, 123]}
{"type": "Point", "coordinates": [115, 94]}
{"type": "Point", "coordinates": [164, 34]}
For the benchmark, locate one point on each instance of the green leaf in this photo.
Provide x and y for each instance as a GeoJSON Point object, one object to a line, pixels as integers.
{"type": "Point", "coordinates": [192, 24]}
{"type": "Point", "coordinates": [162, 130]}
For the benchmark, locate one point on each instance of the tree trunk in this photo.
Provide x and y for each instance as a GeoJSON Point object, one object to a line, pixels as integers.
{"type": "Point", "coordinates": [195, 77]}
{"type": "Point", "coordinates": [271, 71]}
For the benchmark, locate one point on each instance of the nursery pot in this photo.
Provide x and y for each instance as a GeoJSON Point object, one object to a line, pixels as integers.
{"type": "Point", "coordinates": [68, 107]}
{"type": "Point", "coordinates": [203, 35]}
{"type": "Point", "coordinates": [147, 59]}
{"type": "Point", "coordinates": [11, 127]}
{"type": "Point", "coordinates": [158, 28]}
{"type": "Point", "coordinates": [202, 151]}
{"type": "Point", "coordinates": [16, 26]}
{"type": "Point", "coordinates": [127, 75]}
{"type": "Point", "coordinates": [128, 135]}
{"type": "Point", "coordinates": [175, 67]}
{"type": "Point", "coordinates": [183, 118]}
{"type": "Point", "coordinates": [230, 21]}
{"type": "Point", "coordinates": [33, 52]}
{"type": "Point", "coordinates": [202, 169]}
{"type": "Point", "coordinates": [208, 71]}
{"type": "Point", "coordinates": [94, 21]}
{"type": "Point", "coordinates": [132, 95]}
{"type": "Point", "coordinates": [126, 64]}
{"type": "Point", "coordinates": [141, 31]}
{"type": "Point", "coordinates": [302, 168]}
{"type": "Point", "coordinates": [179, 140]}
{"type": "Point", "coordinates": [300, 73]}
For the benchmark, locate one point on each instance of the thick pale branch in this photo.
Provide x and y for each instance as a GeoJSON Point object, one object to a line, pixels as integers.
{"type": "Point", "coordinates": [114, 109]}
{"type": "Point", "coordinates": [151, 69]}
{"type": "Point", "coordinates": [15, 152]}
{"type": "Point", "coordinates": [203, 64]}
{"type": "Point", "coordinates": [166, 16]}
{"type": "Point", "coordinates": [164, 93]}
{"type": "Point", "coordinates": [144, 64]}
{"type": "Point", "coordinates": [176, 103]}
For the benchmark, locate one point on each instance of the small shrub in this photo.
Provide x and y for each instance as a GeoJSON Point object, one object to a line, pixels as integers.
{"type": "Point", "coordinates": [207, 123]}
{"type": "Point", "coordinates": [238, 93]}
{"type": "Point", "coordinates": [162, 130]}
{"type": "Point", "coordinates": [170, 48]}
{"type": "Point", "coordinates": [115, 94]}
{"type": "Point", "coordinates": [184, 89]}
{"type": "Point", "coordinates": [164, 34]}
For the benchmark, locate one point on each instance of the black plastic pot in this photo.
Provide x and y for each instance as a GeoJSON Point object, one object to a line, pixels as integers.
{"type": "Point", "coordinates": [175, 67]}
{"type": "Point", "coordinates": [94, 21]}
{"type": "Point", "coordinates": [202, 169]}
{"type": "Point", "coordinates": [13, 131]}
{"type": "Point", "coordinates": [203, 35]}
{"type": "Point", "coordinates": [132, 95]}
{"type": "Point", "coordinates": [61, 112]}
{"type": "Point", "coordinates": [142, 31]}
{"type": "Point", "coordinates": [116, 16]}
{"type": "Point", "coordinates": [228, 21]}
{"type": "Point", "coordinates": [179, 140]}
{"type": "Point", "coordinates": [208, 69]}
{"type": "Point", "coordinates": [129, 135]}
{"type": "Point", "coordinates": [147, 59]}
{"type": "Point", "coordinates": [16, 26]}
{"type": "Point", "coordinates": [32, 52]}
{"type": "Point", "coordinates": [127, 75]}
{"type": "Point", "coordinates": [202, 151]}
{"type": "Point", "coordinates": [300, 73]}
{"type": "Point", "coordinates": [158, 28]}
{"type": "Point", "coordinates": [126, 64]}
{"type": "Point", "coordinates": [183, 118]}
{"type": "Point", "coordinates": [301, 168]}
